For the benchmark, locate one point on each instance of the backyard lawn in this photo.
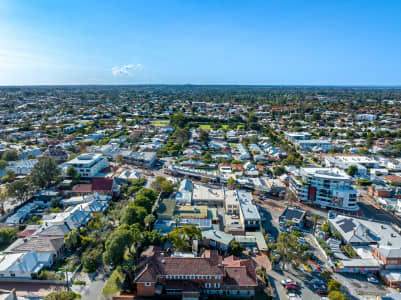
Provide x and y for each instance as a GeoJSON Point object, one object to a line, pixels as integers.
{"type": "Point", "coordinates": [161, 123]}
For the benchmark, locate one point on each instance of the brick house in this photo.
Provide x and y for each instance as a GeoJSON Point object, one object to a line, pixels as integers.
{"type": "Point", "coordinates": [163, 274]}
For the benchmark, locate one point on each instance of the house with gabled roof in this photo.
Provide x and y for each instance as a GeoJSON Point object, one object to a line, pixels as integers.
{"type": "Point", "coordinates": [162, 273]}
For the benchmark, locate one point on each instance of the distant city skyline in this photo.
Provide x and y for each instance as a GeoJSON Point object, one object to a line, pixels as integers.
{"type": "Point", "coordinates": [341, 43]}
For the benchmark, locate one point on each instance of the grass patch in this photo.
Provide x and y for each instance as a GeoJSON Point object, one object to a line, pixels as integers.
{"type": "Point", "coordinates": [166, 208]}
{"type": "Point", "coordinates": [240, 127]}
{"type": "Point", "coordinates": [205, 127]}
{"type": "Point", "coordinates": [112, 285]}
{"type": "Point", "coordinates": [225, 127]}
{"type": "Point", "coordinates": [161, 123]}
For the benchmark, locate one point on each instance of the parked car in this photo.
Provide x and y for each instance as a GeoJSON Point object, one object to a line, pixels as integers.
{"type": "Point", "coordinates": [288, 281]}
{"type": "Point", "coordinates": [373, 279]}
{"type": "Point", "coordinates": [291, 287]}
{"type": "Point", "coordinates": [322, 292]}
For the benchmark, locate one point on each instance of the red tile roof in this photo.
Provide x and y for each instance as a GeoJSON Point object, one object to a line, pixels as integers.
{"type": "Point", "coordinates": [102, 184]}
{"type": "Point", "coordinates": [82, 188]}
{"type": "Point", "coordinates": [26, 232]}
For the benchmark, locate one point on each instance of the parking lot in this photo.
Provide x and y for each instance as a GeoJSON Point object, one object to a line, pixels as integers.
{"type": "Point", "coordinates": [358, 286]}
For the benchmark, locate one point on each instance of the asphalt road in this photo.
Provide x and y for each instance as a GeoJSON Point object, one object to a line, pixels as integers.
{"type": "Point", "coordinates": [92, 289]}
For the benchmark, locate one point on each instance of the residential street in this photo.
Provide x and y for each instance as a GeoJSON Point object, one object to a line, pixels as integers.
{"type": "Point", "coordinates": [93, 288]}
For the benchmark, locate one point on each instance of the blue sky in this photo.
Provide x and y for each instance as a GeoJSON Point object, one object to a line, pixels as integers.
{"type": "Point", "coordinates": [200, 42]}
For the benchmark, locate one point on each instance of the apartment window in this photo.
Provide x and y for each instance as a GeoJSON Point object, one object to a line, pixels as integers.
{"type": "Point", "coordinates": [217, 285]}
{"type": "Point", "coordinates": [216, 277]}
{"type": "Point", "coordinates": [184, 277]}
{"type": "Point", "coordinates": [192, 276]}
{"type": "Point", "coordinates": [148, 283]}
{"type": "Point", "coordinates": [208, 285]}
{"type": "Point", "coordinates": [208, 277]}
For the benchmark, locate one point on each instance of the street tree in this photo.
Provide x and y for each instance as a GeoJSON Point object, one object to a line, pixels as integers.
{"type": "Point", "coordinates": [21, 190]}
{"type": "Point", "coordinates": [44, 172]}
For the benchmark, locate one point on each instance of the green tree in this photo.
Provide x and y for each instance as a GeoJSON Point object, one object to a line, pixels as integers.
{"type": "Point", "coordinates": [116, 245]}
{"type": "Point", "coordinates": [144, 202]}
{"type": "Point", "coordinates": [10, 155]}
{"type": "Point", "coordinates": [73, 173]}
{"type": "Point", "coordinates": [21, 189]}
{"type": "Point", "coordinates": [3, 164]}
{"type": "Point", "coordinates": [162, 185]}
{"type": "Point", "coordinates": [289, 248]}
{"type": "Point", "coordinates": [336, 295]}
{"type": "Point", "coordinates": [181, 237]}
{"type": "Point", "coordinates": [333, 285]}
{"type": "Point", "coordinates": [149, 219]}
{"type": "Point", "coordinates": [235, 248]}
{"type": "Point", "coordinates": [65, 295]}
{"type": "Point", "coordinates": [178, 120]}
{"type": "Point", "coordinates": [45, 172]}
{"type": "Point", "coordinates": [7, 236]}
{"type": "Point", "coordinates": [133, 214]}
{"type": "Point", "coordinates": [91, 259]}
{"type": "Point", "coordinates": [148, 193]}
{"type": "Point", "coordinates": [73, 239]}
{"type": "Point", "coordinates": [352, 170]}
{"type": "Point", "coordinates": [325, 227]}
{"type": "Point", "coordinates": [9, 177]}
{"type": "Point", "coordinates": [231, 183]}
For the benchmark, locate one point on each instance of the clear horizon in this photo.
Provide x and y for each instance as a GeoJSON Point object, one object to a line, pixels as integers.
{"type": "Point", "coordinates": [264, 43]}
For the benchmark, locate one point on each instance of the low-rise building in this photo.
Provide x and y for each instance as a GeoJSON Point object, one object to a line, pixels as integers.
{"type": "Point", "coordinates": [87, 165]}
{"type": "Point", "coordinates": [191, 277]}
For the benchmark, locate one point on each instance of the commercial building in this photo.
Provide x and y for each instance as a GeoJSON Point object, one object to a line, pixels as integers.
{"type": "Point", "coordinates": [381, 239]}
{"type": "Point", "coordinates": [297, 136]}
{"type": "Point", "coordinates": [327, 187]}
{"type": "Point", "coordinates": [87, 165]}
{"type": "Point", "coordinates": [146, 159]}
{"type": "Point", "coordinates": [249, 213]}
{"type": "Point", "coordinates": [206, 195]}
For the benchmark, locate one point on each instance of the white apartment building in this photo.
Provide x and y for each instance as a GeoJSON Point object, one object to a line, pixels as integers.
{"type": "Point", "coordinates": [323, 145]}
{"type": "Point", "coordinates": [344, 162]}
{"type": "Point", "coordinates": [88, 164]}
{"type": "Point", "coordinates": [327, 187]}
{"type": "Point", "coordinates": [297, 136]}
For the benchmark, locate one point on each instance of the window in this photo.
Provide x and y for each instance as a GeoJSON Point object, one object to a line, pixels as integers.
{"type": "Point", "coordinates": [184, 277]}
{"type": "Point", "coordinates": [208, 277]}
{"type": "Point", "coordinates": [217, 277]}
{"type": "Point", "coordinates": [217, 285]}
{"type": "Point", "coordinates": [148, 283]}
{"type": "Point", "coordinates": [208, 285]}
{"type": "Point", "coordinates": [192, 276]}
{"type": "Point", "coordinates": [168, 276]}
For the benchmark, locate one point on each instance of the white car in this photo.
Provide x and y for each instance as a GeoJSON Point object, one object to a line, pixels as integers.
{"type": "Point", "coordinates": [373, 279]}
{"type": "Point", "coordinates": [288, 281]}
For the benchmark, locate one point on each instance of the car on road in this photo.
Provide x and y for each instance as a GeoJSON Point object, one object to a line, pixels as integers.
{"type": "Point", "coordinates": [317, 281]}
{"type": "Point", "coordinates": [373, 279]}
{"type": "Point", "coordinates": [322, 292]}
{"type": "Point", "coordinates": [291, 287]}
{"type": "Point", "coordinates": [284, 282]}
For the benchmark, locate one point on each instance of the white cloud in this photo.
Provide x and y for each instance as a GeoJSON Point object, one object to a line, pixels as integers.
{"type": "Point", "coordinates": [125, 70]}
